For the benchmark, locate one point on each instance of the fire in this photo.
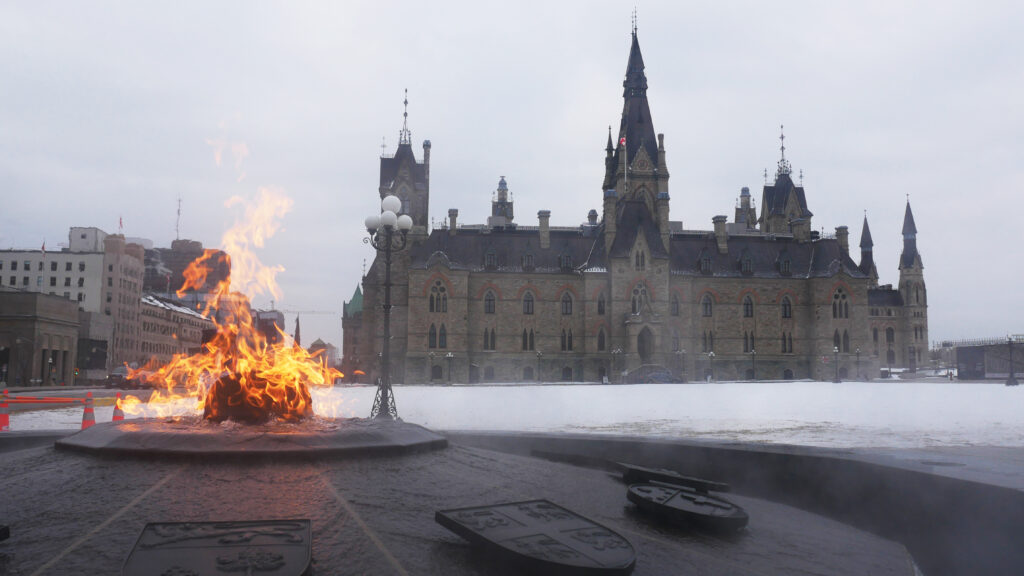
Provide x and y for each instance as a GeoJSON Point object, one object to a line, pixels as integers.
{"type": "Point", "coordinates": [240, 374]}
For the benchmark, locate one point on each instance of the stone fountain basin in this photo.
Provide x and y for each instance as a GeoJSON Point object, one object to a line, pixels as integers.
{"type": "Point", "coordinates": [194, 437]}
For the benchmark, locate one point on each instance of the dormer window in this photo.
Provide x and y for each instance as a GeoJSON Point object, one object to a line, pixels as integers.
{"type": "Point", "coordinates": [705, 264]}
{"type": "Point", "coordinates": [565, 261]}
{"type": "Point", "coordinates": [784, 267]}
{"type": "Point", "coordinates": [747, 265]}
{"type": "Point", "coordinates": [490, 260]}
{"type": "Point", "coordinates": [527, 261]}
{"type": "Point", "coordinates": [640, 260]}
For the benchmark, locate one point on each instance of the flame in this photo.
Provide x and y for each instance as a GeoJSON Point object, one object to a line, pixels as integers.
{"type": "Point", "coordinates": [242, 373]}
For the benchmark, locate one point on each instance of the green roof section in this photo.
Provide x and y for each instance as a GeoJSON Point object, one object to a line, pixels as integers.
{"type": "Point", "coordinates": [355, 305]}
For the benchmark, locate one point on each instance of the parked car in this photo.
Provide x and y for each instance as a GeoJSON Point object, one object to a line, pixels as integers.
{"type": "Point", "coordinates": [117, 378]}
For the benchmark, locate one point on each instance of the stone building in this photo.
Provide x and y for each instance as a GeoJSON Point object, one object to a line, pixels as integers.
{"type": "Point", "coordinates": [168, 329]}
{"type": "Point", "coordinates": [101, 272]}
{"type": "Point", "coordinates": [38, 339]}
{"type": "Point", "coordinates": [630, 295]}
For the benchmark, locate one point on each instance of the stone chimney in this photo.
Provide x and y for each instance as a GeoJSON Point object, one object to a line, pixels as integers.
{"type": "Point", "coordinates": [426, 160]}
{"type": "Point", "coordinates": [453, 218]}
{"type": "Point", "coordinates": [843, 237]}
{"type": "Point", "coordinates": [545, 233]}
{"type": "Point", "coordinates": [721, 236]}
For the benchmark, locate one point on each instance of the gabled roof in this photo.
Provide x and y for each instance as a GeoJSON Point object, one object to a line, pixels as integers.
{"type": "Point", "coordinates": [818, 259]}
{"type": "Point", "coordinates": [389, 167]}
{"type": "Point", "coordinates": [774, 198]}
{"type": "Point", "coordinates": [353, 306]}
{"type": "Point", "coordinates": [466, 249]}
{"type": "Point", "coordinates": [632, 218]}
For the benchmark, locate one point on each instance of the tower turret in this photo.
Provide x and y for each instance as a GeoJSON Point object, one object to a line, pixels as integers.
{"type": "Point", "coordinates": [867, 258]}
{"type": "Point", "coordinates": [915, 296]}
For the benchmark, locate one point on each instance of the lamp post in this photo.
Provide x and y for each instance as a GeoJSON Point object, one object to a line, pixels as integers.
{"type": "Point", "coordinates": [835, 350]}
{"type": "Point", "coordinates": [536, 377]}
{"type": "Point", "coordinates": [888, 359]}
{"type": "Point", "coordinates": [617, 363]}
{"type": "Point", "coordinates": [753, 364]}
{"type": "Point", "coordinates": [858, 364]}
{"type": "Point", "coordinates": [1012, 380]}
{"type": "Point", "coordinates": [711, 366]}
{"type": "Point", "coordinates": [430, 369]}
{"type": "Point", "coordinates": [681, 360]}
{"type": "Point", "coordinates": [49, 369]}
{"type": "Point", "coordinates": [449, 356]}
{"type": "Point", "coordinates": [382, 229]}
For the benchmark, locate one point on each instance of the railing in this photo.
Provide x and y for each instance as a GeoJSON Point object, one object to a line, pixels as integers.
{"type": "Point", "coordinates": [978, 341]}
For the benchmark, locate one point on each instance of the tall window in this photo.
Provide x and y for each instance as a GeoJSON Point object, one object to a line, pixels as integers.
{"type": "Point", "coordinates": [639, 298]}
{"type": "Point", "coordinates": [748, 307]}
{"type": "Point", "coordinates": [890, 335]}
{"type": "Point", "coordinates": [566, 340]}
{"type": "Point", "coordinates": [706, 306]}
{"type": "Point", "coordinates": [840, 305]}
{"type": "Point", "coordinates": [746, 342]}
{"type": "Point", "coordinates": [566, 305]}
{"type": "Point", "coordinates": [846, 341]}
{"type": "Point", "coordinates": [528, 339]}
{"type": "Point", "coordinates": [787, 307]}
{"type": "Point", "coordinates": [705, 265]}
{"type": "Point", "coordinates": [528, 303]}
{"type": "Point", "coordinates": [442, 337]}
{"type": "Point", "coordinates": [489, 303]}
{"type": "Point", "coordinates": [438, 297]}
{"type": "Point", "coordinates": [783, 342]}
{"type": "Point", "coordinates": [600, 304]}
{"type": "Point", "coordinates": [640, 260]}
{"type": "Point", "coordinates": [565, 261]}
{"type": "Point", "coordinates": [432, 337]}
{"type": "Point", "coordinates": [600, 340]}
{"type": "Point", "coordinates": [675, 305]}
{"type": "Point", "coordinates": [747, 265]}
{"type": "Point", "coordinates": [528, 261]}
{"type": "Point", "coordinates": [490, 260]}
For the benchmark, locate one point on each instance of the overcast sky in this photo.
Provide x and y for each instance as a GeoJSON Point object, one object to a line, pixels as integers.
{"type": "Point", "coordinates": [115, 110]}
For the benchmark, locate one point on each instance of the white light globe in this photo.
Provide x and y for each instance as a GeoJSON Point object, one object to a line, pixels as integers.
{"type": "Point", "coordinates": [372, 222]}
{"type": "Point", "coordinates": [405, 222]}
{"type": "Point", "coordinates": [391, 204]}
{"type": "Point", "coordinates": [388, 219]}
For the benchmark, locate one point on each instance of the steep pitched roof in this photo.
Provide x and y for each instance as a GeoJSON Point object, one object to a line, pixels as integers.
{"type": "Point", "coordinates": [389, 167]}
{"type": "Point", "coordinates": [774, 198]}
{"type": "Point", "coordinates": [636, 125]}
{"type": "Point", "coordinates": [467, 249]}
{"type": "Point", "coordinates": [632, 218]}
{"type": "Point", "coordinates": [865, 236]}
{"type": "Point", "coordinates": [818, 259]}
{"type": "Point", "coordinates": [353, 306]}
{"type": "Point", "coordinates": [908, 221]}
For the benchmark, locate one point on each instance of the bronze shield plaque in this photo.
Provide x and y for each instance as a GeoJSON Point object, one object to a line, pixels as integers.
{"type": "Point", "coordinates": [542, 537]}
{"type": "Point", "coordinates": [264, 547]}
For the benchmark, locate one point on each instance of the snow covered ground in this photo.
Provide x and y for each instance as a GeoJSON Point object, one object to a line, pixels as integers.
{"type": "Point", "coordinates": [850, 414]}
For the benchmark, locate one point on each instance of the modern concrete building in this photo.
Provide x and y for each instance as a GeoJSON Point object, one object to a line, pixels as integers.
{"type": "Point", "coordinates": [38, 339]}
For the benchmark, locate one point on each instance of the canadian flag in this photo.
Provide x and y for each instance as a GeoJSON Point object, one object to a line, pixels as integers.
{"type": "Point", "coordinates": [622, 141]}
{"type": "Point", "coordinates": [44, 248]}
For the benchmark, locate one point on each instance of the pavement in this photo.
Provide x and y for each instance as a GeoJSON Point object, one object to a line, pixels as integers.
{"type": "Point", "coordinates": [74, 513]}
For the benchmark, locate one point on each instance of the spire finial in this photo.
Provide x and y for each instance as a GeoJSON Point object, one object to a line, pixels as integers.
{"type": "Point", "coordinates": [634, 20]}
{"type": "Point", "coordinates": [784, 167]}
{"type": "Point", "coordinates": [801, 176]}
{"type": "Point", "coordinates": [383, 145]}
{"type": "Point", "coordinates": [405, 137]}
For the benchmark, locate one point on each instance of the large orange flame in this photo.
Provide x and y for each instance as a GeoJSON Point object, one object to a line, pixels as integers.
{"type": "Point", "coordinates": [242, 373]}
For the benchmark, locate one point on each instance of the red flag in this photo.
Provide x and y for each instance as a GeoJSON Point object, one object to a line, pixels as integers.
{"type": "Point", "coordinates": [622, 141]}
{"type": "Point", "coordinates": [44, 248]}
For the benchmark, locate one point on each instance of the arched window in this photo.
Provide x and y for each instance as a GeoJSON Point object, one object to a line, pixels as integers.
{"type": "Point", "coordinates": [706, 306]}
{"type": "Point", "coordinates": [567, 374]}
{"type": "Point", "coordinates": [438, 297]}
{"type": "Point", "coordinates": [600, 304]}
{"type": "Point", "coordinates": [748, 307]}
{"type": "Point", "coordinates": [705, 264]}
{"type": "Point", "coordinates": [528, 303]}
{"type": "Point", "coordinates": [566, 304]}
{"type": "Point", "coordinates": [675, 305]}
{"type": "Point", "coordinates": [489, 302]}
{"type": "Point", "coordinates": [442, 337]}
{"type": "Point", "coordinates": [890, 335]}
{"type": "Point", "coordinates": [840, 305]}
{"type": "Point", "coordinates": [787, 307]}
{"type": "Point", "coordinates": [639, 298]}
{"type": "Point", "coordinates": [563, 341]}
{"type": "Point", "coordinates": [846, 341]}
{"type": "Point", "coordinates": [432, 337]}
{"type": "Point", "coordinates": [600, 340]}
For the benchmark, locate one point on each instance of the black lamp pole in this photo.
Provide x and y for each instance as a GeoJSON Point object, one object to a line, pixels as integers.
{"type": "Point", "coordinates": [450, 357]}
{"type": "Point", "coordinates": [753, 364]}
{"type": "Point", "coordinates": [858, 364]}
{"type": "Point", "coordinates": [835, 350]}
{"type": "Point", "coordinates": [1012, 380]}
{"type": "Point", "coordinates": [383, 238]}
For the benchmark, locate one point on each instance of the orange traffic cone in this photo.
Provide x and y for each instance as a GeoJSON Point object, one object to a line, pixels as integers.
{"type": "Point", "coordinates": [118, 413]}
{"type": "Point", "coordinates": [88, 417]}
{"type": "Point", "coordinates": [5, 418]}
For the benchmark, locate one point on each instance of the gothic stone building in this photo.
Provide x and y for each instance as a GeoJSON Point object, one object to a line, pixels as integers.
{"type": "Point", "coordinates": [631, 296]}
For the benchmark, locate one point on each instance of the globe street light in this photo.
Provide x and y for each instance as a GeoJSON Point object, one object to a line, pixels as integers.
{"type": "Point", "coordinates": [382, 228]}
{"type": "Point", "coordinates": [835, 350]}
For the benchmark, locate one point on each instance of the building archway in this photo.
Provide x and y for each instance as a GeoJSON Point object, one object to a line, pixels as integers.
{"type": "Point", "coordinates": [645, 344]}
{"type": "Point", "coordinates": [787, 374]}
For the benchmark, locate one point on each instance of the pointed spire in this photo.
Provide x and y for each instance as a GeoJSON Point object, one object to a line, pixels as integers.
{"type": "Point", "coordinates": [636, 129]}
{"type": "Point", "coordinates": [908, 222]}
{"type": "Point", "coordinates": [866, 244]}
{"type": "Point", "coordinates": [610, 148]}
{"type": "Point", "coordinates": [405, 136]}
{"type": "Point", "coordinates": [635, 83]}
{"type": "Point", "coordinates": [298, 337]}
{"type": "Point", "coordinates": [784, 167]}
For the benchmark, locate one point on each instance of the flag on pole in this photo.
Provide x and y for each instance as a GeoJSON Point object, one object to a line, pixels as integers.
{"type": "Point", "coordinates": [120, 224]}
{"type": "Point", "coordinates": [622, 141]}
{"type": "Point", "coordinates": [44, 248]}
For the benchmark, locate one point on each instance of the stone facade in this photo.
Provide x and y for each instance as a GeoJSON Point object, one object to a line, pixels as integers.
{"type": "Point", "coordinates": [632, 296]}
